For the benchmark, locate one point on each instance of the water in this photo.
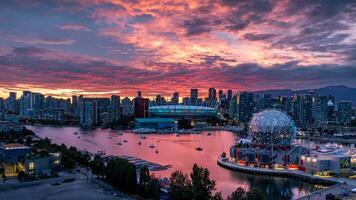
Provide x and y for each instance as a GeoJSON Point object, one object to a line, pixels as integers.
{"type": "Point", "coordinates": [180, 153]}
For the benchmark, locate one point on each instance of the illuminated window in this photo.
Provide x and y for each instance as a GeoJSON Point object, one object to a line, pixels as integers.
{"type": "Point", "coordinates": [31, 166]}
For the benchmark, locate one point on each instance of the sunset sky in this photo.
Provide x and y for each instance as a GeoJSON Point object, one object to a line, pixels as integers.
{"type": "Point", "coordinates": [99, 48]}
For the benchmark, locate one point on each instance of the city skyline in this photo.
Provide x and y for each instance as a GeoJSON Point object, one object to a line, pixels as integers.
{"type": "Point", "coordinates": [100, 48]}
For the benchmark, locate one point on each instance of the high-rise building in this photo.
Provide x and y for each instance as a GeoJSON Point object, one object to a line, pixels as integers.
{"type": "Point", "coordinates": [298, 109]}
{"type": "Point", "coordinates": [212, 95]}
{"type": "Point", "coordinates": [194, 96]}
{"type": "Point", "coordinates": [233, 107]}
{"type": "Point", "coordinates": [246, 106]}
{"type": "Point", "coordinates": [330, 110]}
{"type": "Point", "coordinates": [320, 109]}
{"type": "Point", "coordinates": [26, 106]}
{"type": "Point", "coordinates": [308, 109]}
{"type": "Point", "coordinates": [140, 106]}
{"type": "Point", "coordinates": [74, 106]}
{"type": "Point", "coordinates": [186, 101]}
{"type": "Point", "coordinates": [2, 104]}
{"type": "Point", "coordinates": [88, 114]}
{"type": "Point", "coordinates": [103, 107]}
{"type": "Point", "coordinates": [344, 112]}
{"type": "Point", "coordinates": [175, 98]}
{"type": "Point", "coordinates": [11, 103]}
{"type": "Point", "coordinates": [229, 95]}
{"type": "Point", "coordinates": [127, 107]}
{"type": "Point", "coordinates": [115, 108]}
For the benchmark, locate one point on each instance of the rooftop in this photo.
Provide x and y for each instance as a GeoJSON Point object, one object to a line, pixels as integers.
{"type": "Point", "coordinates": [15, 146]}
{"type": "Point", "coordinates": [155, 120]}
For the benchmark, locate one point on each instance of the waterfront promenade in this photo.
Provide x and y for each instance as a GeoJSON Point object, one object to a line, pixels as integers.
{"type": "Point", "coordinates": [339, 186]}
{"type": "Point", "coordinates": [282, 172]}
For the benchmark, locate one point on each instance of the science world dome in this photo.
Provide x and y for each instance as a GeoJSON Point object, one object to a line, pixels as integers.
{"type": "Point", "coordinates": [272, 127]}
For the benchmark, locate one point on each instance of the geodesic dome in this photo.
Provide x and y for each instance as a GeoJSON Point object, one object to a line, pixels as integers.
{"type": "Point", "coordinates": [272, 127]}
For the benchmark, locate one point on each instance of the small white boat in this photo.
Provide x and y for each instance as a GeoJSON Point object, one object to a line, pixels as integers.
{"type": "Point", "coordinates": [125, 141]}
{"type": "Point", "coordinates": [119, 143]}
{"type": "Point", "coordinates": [152, 146]}
{"type": "Point", "coordinates": [209, 133]}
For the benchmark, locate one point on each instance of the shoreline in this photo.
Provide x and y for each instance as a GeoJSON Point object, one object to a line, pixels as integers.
{"type": "Point", "coordinates": [302, 176]}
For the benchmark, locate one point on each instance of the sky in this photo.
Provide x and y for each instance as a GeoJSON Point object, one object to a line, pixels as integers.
{"type": "Point", "coordinates": [105, 47]}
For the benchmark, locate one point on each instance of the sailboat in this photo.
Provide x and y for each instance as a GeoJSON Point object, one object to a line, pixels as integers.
{"type": "Point", "coordinates": [199, 148]}
{"type": "Point", "coordinates": [157, 148]}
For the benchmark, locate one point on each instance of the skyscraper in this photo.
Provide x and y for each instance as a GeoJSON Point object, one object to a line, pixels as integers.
{"type": "Point", "coordinates": [320, 109]}
{"type": "Point", "coordinates": [175, 98]}
{"type": "Point", "coordinates": [229, 95]}
{"type": "Point", "coordinates": [194, 96]}
{"type": "Point", "coordinates": [298, 108]}
{"type": "Point", "coordinates": [344, 112]}
{"type": "Point", "coordinates": [115, 108]}
{"type": "Point", "coordinates": [11, 103]}
{"type": "Point", "coordinates": [74, 107]}
{"type": "Point", "coordinates": [140, 106]}
{"type": "Point", "coordinates": [127, 107]}
{"type": "Point", "coordinates": [88, 114]}
{"type": "Point", "coordinates": [246, 106]}
{"type": "Point", "coordinates": [212, 95]}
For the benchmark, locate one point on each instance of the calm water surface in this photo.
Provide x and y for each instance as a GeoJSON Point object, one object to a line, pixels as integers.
{"type": "Point", "coordinates": [180, 153]}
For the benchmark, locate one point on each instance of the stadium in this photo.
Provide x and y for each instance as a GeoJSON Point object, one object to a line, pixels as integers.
{"type": "Point", "coordinates": [183, 112]}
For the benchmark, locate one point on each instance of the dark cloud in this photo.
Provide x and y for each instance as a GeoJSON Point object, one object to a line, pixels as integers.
{"type": "Point", "coordinates": [143, 18]}
{"type": "Point", "coordinates": [257, 37]}
{"type": "Point", "coordinates": [196, 26]}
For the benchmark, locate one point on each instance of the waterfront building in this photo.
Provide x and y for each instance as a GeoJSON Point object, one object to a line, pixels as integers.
{"type": "Point", "coordinates": [12, 157]}
{"type": "Point", "coordinates": [26, 106]}
{"type": "Point", "coordinates": [115, 108]}
{"type": "Point", "coordinates": [344, 112]}
{"type": "Point", "coordinates": [34, 165]}
{"type": "Point", "coordinates": [9, 122]}
{"type": "Point", "coordinates": [194, 96]}
{"type": "Point", "coordinates": [127, 107]}
{"type": "Point", "coordinates": [246, 106]}
{"type": "Point", "coordinates": [183, 112]}
{"type": "Point", "coordinates": [140, 106]}
{"type": "Point", "coordinates": [88, 114]}
{"type": "Point", "coordinates": [103, 108]}
{"type": "Point", "coordinates": [269, 143]}
{"type": "Point", "coordinates": [155, 123]}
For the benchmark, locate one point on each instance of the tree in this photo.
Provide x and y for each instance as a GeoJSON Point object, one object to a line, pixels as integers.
{"type": "Point", "coordinates": [149, 186]}
{"type": "Point", "coordinates": [144, 181]}
{"type": "Point", "coordinates": [203, 186]}
{"type": "Point", "coordinates": [180, 186]}
{"type": "Point", "coordinates": [255, 194]}
{"type": "Point", "coordinates": [97, 166]}
{"type": "Point", "coordinates": [22, 176]}
{"type": "Point", "coordinates": [238, 194]}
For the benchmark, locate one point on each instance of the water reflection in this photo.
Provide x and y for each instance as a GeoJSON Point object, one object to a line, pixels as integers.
{"type": "Point", "coordinates": [180, 153]}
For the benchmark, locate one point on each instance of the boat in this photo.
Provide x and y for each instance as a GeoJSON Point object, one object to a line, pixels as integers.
{"type": "Point", "coordinates": [139, 143]}
{"type": "Point", "coordinates": [75, 133]}
{"type": "Point", "coordinates": [143, 137]}
{"type": "Point", "coordinates": [209, 133]}
{"type": "Point", "coordinates": [152, 146]}
{"type": "Point", "coordinates": [157, 151]}
{"type": "Point", "coordinates": [119, 143]}
{"type": "Point", "coordinates": [125, 141]}
{"type": "Point", "coordinates": [199, 149]}
{"type": "Point", "coordinates": [78, 137]}
{"type": "Point", "coordinates": [120, 133]}
{"type": "Point", "coordinates": [178, 135]}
